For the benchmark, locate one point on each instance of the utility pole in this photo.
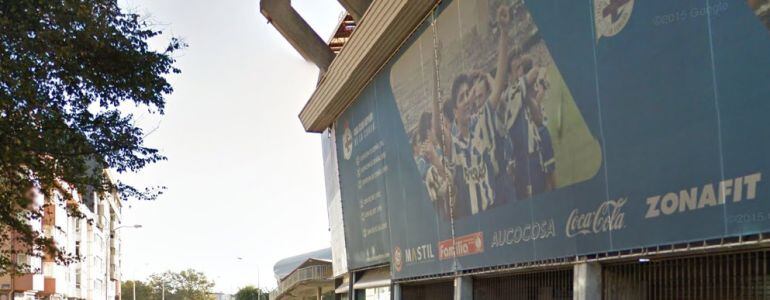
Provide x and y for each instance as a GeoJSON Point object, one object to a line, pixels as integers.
{"type": "Point", "coordinates": [133, 283]}
{"type": "Point", "coordinates": [163, 294]}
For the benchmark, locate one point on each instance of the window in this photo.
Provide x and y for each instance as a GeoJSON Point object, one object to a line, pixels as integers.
{"type": "Point", "coordinates": [98, 244]}
{"type": "Point", "coordinates": [380, 293]}
{"type": "Point", "coordinates": [97, 286]}
{"type": "Point", "coordinates": [98, 264]}
{"type": "Point", "coordinates": [48, 269]}
{"type": "Point", "coordinates": [78, 278]}
{"type": "Point", "coordinates": [21, 259]}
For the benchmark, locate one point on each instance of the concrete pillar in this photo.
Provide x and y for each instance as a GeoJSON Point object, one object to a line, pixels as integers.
{"type": "Point", "coordinates": [587, 281]}
{"type": "Point", "coordinates": [463, 288]}
{"type": "Point", "coordinates": [356, 8]}
{"type": "Point", "coordinates": [299, 34]}
{"type": "Point", "coordinates": [396, 291]}
{"type": "Point", "coordinates": [351, 291]}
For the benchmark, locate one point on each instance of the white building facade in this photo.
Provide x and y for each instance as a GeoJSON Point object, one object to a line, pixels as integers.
{"type": "Point", "coordinates": [93, 238]}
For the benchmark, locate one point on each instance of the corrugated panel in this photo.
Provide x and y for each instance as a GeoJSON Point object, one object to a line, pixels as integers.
{"type": "Point", "coordinates": [742, 275]}
{"type": "Point", "coordinates": [550, 285]}
{"type": "Point", "coordinates": [383, 29]}
{"type": "Point", "coordinates": [439, 290]}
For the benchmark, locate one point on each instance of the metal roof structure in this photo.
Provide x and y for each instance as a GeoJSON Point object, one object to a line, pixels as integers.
{"type": "Point", "coordinates": [285, 266]}
{"type": "Point", "coordinates": [342, 34]}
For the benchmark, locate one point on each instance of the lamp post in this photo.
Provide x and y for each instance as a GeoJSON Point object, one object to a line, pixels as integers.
{"type": "Point", "coordinates": [107, 264]}
{"type": "Point", "coordinates": [124, 226]}
{"type": "Point", "coordinates": [259, 288]}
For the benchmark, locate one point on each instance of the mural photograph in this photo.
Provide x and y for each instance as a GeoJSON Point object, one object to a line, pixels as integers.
{"type": "Point", "coordinates": [501, 126]}
{"type": "Point", "coordinates": [762, 9]}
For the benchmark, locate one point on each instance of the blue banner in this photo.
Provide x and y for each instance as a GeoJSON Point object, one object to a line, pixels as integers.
{"type": "Point", "coordinates": [508, 131]}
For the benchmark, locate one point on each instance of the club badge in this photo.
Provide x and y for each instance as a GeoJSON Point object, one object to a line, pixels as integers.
{"type": "Point", "coordinates": [347, 141]}
{"type": "Point", "coordinates": [611, 16]}
{"type": "Point", "coordinates": [397, 259]}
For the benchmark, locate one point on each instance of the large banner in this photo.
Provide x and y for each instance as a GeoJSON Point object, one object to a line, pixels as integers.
{"type": "Point", "coordinates": [508, 131]}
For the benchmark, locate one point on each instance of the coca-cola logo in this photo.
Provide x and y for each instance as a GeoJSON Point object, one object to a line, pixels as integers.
{"type": "Point", "coordinates": [607, 217]}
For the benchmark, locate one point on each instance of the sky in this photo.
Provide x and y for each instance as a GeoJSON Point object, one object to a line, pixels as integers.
{"type": "Point", "coordinates": [244, 179]}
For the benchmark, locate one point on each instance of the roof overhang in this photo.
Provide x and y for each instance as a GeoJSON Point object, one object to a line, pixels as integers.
{"type": "Point", "coordinates": [382, 30]}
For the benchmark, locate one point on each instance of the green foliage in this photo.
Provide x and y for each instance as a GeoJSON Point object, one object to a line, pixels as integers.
{"type": "Point", "coordinates": [66, 69]}
{"type": "Point", "coordinates": [250, 292]}
{"type": "Point", "coordinates": [185, 285]}
{"type": "Point", "coordinates": [143, 290]}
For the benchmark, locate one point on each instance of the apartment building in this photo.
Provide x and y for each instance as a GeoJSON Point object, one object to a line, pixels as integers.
{"type": "Point", "coordinates": [95, 239]}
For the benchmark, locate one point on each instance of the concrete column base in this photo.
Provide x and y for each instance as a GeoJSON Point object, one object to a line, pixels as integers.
{"type": "Point", "coordinates": [396, 292]}
{"type": "Point", "coordinates": [351, 291]}
{"type": "Point", "coordinates": [463, 288]}
{"type": "Point", "coordinates": [587, 281]}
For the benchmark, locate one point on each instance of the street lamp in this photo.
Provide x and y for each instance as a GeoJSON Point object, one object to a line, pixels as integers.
{"type": "Point", "coordinates": [107, 265]}
{"type": "Point", "coordinates": [259, 288]}
{"type": "Point", "coordinates": [127, 226]}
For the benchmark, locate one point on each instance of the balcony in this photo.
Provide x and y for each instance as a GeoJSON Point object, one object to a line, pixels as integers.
{"type": "Point", "coordinates": [49, 286]}
{"type": "Point", "coordinates": [114, 274]}
{"type": "Point", "coordinates": [316, 275]}
{"type": "Point", "coordinates": [29, 282]}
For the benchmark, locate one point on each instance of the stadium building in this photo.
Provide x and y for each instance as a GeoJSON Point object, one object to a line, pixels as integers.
{"type": "Point", "coordinates": [511, 149]}
{"type": "Point", "coordinates": [304, 276]}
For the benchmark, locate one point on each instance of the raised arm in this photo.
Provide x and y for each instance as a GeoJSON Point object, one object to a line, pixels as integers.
{"type": "Point", "coordinates": [436, 131]}
{"type": "Point", "coordinates": [436, 125]}
{"type": "Point", "coordinates": [503, 22]}
{"type": "Point", "coordinates": [532, 78]}
{"type": "Point", "coordinates": [438, 134]}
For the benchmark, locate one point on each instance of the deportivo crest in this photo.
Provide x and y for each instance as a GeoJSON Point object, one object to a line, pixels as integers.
{"type": "Point", "coordinates": [398, 261]}
{"type": "Point", "coordinates": [347, 141]}
{"type": "Point", "coordinates": [611, 16]}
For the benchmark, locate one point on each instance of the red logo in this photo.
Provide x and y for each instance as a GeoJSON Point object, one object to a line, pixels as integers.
{"type": "Point", "coordinates": [461, 246]}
